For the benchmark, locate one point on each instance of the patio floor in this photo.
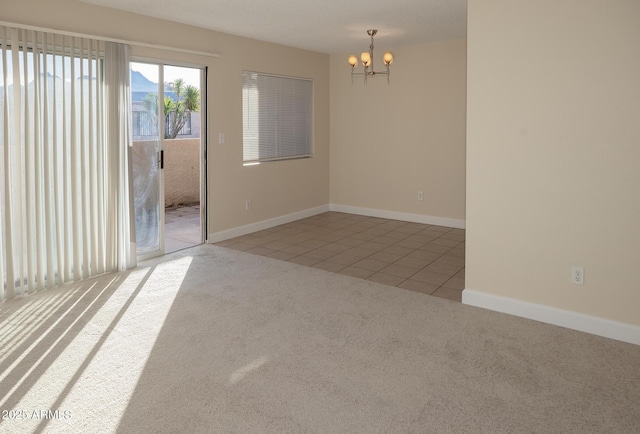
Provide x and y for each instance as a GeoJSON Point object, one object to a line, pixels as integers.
{"type": "Point", "coordinates": [182, 228]}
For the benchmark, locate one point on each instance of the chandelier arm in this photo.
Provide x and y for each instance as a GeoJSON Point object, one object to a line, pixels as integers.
{"type": "Point", "coordinates": [370, 73]}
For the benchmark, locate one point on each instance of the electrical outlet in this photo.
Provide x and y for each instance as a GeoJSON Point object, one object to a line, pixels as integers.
{"type": "Point", "coordinates": [247, 205]}
{"type": "Point", "coordinates": [221, 138]}
{"type": "Point", "coordinates": [420, 196]}
{"type": "Point", "coordinates": [577, 275]}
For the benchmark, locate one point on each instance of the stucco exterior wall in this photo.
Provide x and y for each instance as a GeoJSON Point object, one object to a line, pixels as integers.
{"type": "Point", "coordinates": [181, 169]}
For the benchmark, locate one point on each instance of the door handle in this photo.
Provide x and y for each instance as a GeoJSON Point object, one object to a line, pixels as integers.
{"type": "Point", "coordinates": [161, 159]}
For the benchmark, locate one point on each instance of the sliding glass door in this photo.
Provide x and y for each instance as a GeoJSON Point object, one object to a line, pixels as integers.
{"type": "Point", "coordinates": [168, 161]}
{"type": "Point", "coordinates": [148, 134]}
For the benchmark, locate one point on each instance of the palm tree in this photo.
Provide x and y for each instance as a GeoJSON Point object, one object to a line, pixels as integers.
{"type": "Point", "coordinates": [176, 111]}
{"type": "Point", "coordinates": [187, 100]}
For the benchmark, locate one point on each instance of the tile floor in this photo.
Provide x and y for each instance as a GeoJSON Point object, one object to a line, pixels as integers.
{"type": "Point", "coordinates": [181, 228]}
{"type": "Point", "coordinates": [414, 256]}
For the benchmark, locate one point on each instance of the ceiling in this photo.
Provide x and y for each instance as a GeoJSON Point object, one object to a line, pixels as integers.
{"type": "Point", "coordinates": [325, 26]}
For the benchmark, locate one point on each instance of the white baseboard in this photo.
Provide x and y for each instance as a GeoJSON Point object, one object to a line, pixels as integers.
{"type": "Point", "coordinates": [370, 212]}
{"type": "Point", "coordinates": [265, 224]}
{"type": "Point", "coordinates": [395, 215]}
{"type": "Point", "coordinates": [564, 318]}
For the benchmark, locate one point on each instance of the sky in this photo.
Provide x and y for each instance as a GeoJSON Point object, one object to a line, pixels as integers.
{"type": "Point", "coordinates": [149, 70]}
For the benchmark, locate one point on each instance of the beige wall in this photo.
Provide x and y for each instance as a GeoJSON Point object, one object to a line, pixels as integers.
{"type": "Point", "coordinates": [389, 141]}
{"type": "Point", "coordinates": [276, 188]}
{"type": "Point", "coordinates": [553, 155]}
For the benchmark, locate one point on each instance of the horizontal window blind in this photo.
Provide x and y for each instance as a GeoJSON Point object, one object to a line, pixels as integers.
{"type": "Point", "coordinates": [277, 117]}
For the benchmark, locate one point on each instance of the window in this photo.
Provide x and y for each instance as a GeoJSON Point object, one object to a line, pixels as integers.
{"type": "Point", "coordinates": [277, 117]}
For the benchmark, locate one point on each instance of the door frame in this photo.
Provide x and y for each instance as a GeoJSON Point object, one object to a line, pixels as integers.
{"type": "Point", "coordinates": [162, 63]}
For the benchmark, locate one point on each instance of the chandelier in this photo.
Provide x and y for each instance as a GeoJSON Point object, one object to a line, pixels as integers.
{"type": "Point", "coordinates": [367, 61]}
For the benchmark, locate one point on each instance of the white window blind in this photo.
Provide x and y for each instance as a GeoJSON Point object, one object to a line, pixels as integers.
{"type": "Point", "coordinates": [277, 114]}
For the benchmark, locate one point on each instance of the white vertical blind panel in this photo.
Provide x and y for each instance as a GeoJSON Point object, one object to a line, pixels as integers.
{"type": "Point", "coordinates": [6, 265]}
{"type": "Point", "coordinates": [120, 233]}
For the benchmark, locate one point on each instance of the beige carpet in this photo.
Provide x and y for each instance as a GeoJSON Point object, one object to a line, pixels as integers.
{"type": "Point", "coordinates": [215, 340]}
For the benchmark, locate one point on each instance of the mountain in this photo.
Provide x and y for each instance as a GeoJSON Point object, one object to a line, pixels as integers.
{"type": "Point", "coordinates": [140, 83]}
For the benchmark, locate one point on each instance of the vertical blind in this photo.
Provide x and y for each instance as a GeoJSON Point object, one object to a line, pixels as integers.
{"type": "Point", "coordinates": [60, 166]}
{"type": "Point", "coordinates": [277, 117]}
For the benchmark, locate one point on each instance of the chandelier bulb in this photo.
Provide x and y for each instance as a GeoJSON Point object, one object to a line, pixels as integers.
{"type": "Point", "coordinates": [366, 58]}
